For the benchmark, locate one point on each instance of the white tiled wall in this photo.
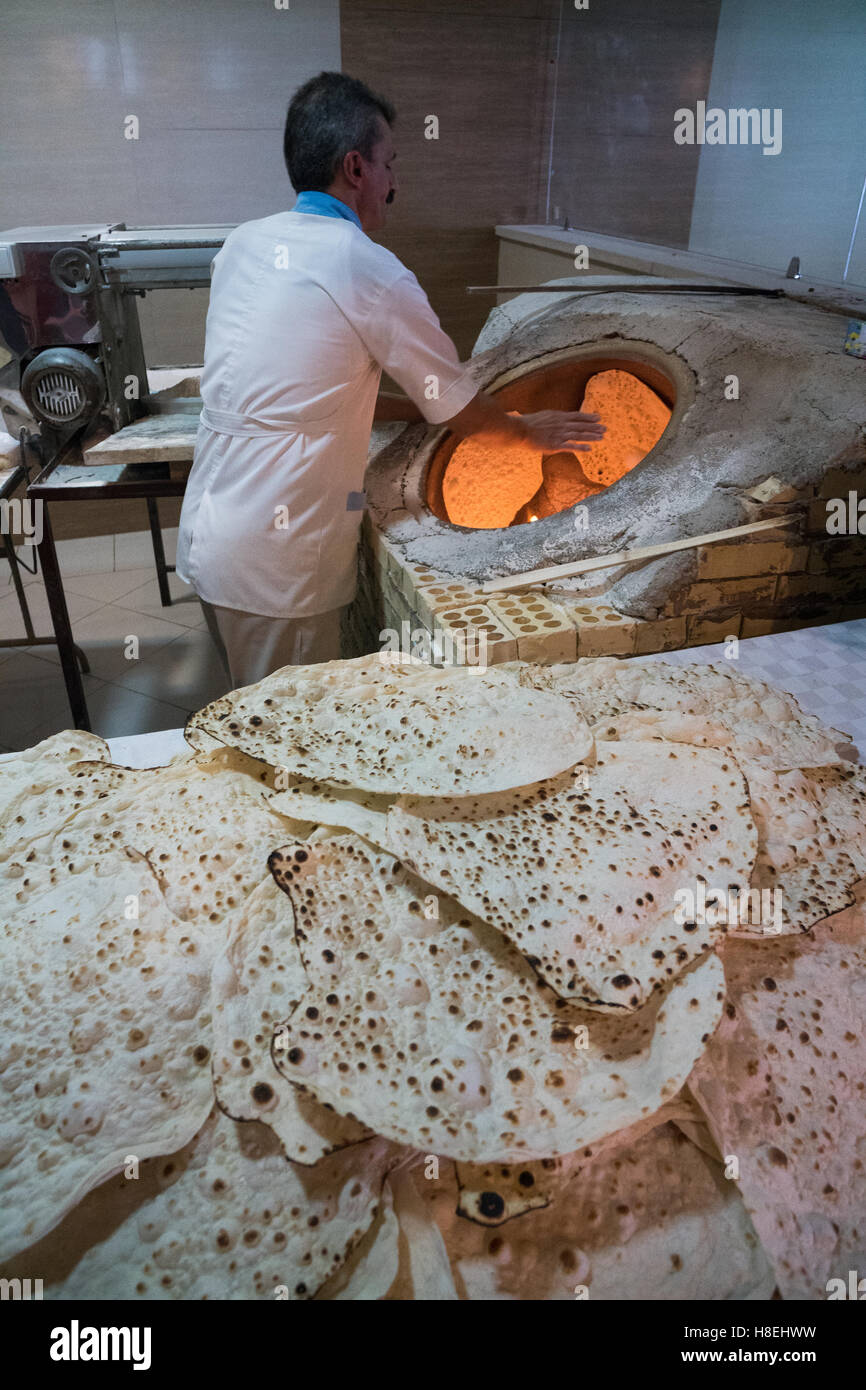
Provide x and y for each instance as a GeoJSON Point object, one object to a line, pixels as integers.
{"type": "Point", "coordinates": [209, 81]}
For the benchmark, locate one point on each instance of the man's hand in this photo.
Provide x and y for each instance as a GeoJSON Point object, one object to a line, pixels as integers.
{"type": "Point", "coordinates": [548, 430]}
{"type": "Point", "coordinates": [552, 430]}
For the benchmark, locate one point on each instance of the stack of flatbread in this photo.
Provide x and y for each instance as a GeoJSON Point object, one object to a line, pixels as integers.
{"type": "Point", "coordinates": [437, 983]}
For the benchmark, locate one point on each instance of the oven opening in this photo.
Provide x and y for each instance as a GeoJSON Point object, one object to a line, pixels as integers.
{"type": "Point", "coordinates": [482, 488]}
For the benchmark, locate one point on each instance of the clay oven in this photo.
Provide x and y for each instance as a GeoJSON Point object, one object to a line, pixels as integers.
{"type": "Point", "coordinates": [721, 410]}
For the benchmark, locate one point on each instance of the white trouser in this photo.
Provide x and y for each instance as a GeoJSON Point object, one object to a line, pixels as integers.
{"type": "Point", "coordinates": [252, 646]}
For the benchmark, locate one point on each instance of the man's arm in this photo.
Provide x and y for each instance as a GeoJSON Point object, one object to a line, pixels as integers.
{"type": "Point", "coordinates": [393, 407]}
{"type": "Point", "coordinates": [405, 337]}
{"type": "Point", "coordinates": [550, 430]}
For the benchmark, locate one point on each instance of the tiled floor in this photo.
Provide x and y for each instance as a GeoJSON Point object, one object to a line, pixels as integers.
{"type": "Point", "coordinates": [177, 669]}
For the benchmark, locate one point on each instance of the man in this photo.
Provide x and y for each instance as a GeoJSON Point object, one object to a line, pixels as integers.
{"type": "Point", "coordinates": [305, 311]}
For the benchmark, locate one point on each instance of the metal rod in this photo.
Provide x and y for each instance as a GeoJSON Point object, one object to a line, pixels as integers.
{"type": "Point", "coordinates": [198, 243]}
{"type": "Point", "coordinates": [66, 648]}
{"type": "Point", "coordinates": [621, 289]}
{"type": "Point", "coordinates": [158, 552]}
{"type": "Point", "coordinates": [553, 111]}
{"type": "Point", "coordinates": [854, 233]}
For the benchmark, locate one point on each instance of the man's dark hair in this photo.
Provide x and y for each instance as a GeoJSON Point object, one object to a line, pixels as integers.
{"type": "Point", "coordinates": [329, 116]}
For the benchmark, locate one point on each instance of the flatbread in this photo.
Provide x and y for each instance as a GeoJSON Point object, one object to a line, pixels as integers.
{"type": "Point", "coordinates": [581, 872]}
{"type": "Point", "coordinates": [714, 706]}
{"type": "Point", "coordinates": [373, 1263]}
{"type": "Point", "coordinates": [435, 1032]}
{"type": "Point", "coordinates": [494, 1193]}
{"type": "Point", "coordinates": [106, 1039]}
{"type": "Point", "coordinates": [781, 1086]}
{"type": "Point", "coordinates": [486, 484]}
{"type": "Point", "coordinates": [203, 828]}
{"type": "Point", "coordinates": [656, 1220]}
{"type": "Point", "coordinates": [811, 840]}
{"type": "Point", "coordinates": [258, 982]}
{"type": "Point", "coordinates": [46, 760]}
{"type": "Point", "coordinates": [636, 418]}
{"type": "Point", "coordinates": [106, 1018]}
{"type": "Point", "coordinates": [390, 728]}
{"type": "Point", "coordinates": [341, 807]}
{"type": "Point", "coordinates": [225, 1217]}
{"type": "Point", "coordinates": [44, 785]}
{"type": "Point", "coordinates": [426, 1266]}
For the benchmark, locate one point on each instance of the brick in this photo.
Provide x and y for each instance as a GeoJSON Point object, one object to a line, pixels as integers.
{"type": "Point", "coordinates": [705, 632]}
{"type": "Point", "coordinates": [384, 555]}
{"type": "Point", "coordinates": [838, 482]}
{"type": "Point", "coordinates": [816, 519]}
{"type": "Point", "coordinates": [756, 627]}
{"type": "Point", "coordinates": [475, 633]}
{"type": "Point", "coordinates": [844, 612]}
{"type": "Point", "coordinates": [414, 577]}
{"type": "Point", "coordinates": [704, 598]}
{"type": "Point", "coordinates": [372, 537]}
{"type": "Point", "coordinates": [761, 627]}
{"type": "Point", "coordinates": [390, 586]}
{"type": "Point", "coordinates": [601, 630]}
{"type": "Point", "coordinates": [393, 566]}
{"type": "Point", "coordinates": [840, 584]}
{"type": "Point", "coordinates": [819, 560]}
{"type": "Point", "coordinates": [454, 594]}
{"type": "Point", "coordinates": [663, 635]}
{"type": "Point", "coordinates": [750, 558]}
{"type": "Point", "coordinates": [846, 552]}
{"type": "Point", "coordinates": [543, 631]}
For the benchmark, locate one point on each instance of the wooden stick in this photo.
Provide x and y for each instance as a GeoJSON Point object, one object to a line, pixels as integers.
{"type": "Point", "coordinates": [624, 557]}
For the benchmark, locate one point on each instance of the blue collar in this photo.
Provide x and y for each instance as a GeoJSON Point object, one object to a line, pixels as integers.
{"type": "Point", "coordinates": [325, 205]}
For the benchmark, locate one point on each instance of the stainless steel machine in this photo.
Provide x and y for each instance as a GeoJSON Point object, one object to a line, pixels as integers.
{"type": "Point", "coordinates": [69, 317]}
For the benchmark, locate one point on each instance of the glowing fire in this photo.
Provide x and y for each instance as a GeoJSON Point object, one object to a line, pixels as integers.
{"type": "Point", "coordinates": [487, 488]}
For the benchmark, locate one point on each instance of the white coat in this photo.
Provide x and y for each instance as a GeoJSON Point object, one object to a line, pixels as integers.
{"type": "Point", "coordinates": [305, 311]}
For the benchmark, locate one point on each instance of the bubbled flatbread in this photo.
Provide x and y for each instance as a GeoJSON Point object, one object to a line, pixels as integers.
{"type": "Point", "coordinates": [388, 728]}
{"type": "Point", "coordinates": [45, 763]}
{"type": "Point", "coordinates": [581, 872]}
{"type": "Point", "coordinates": [811, 841]}
{"type": "Point", "coordinates": [203, 828]}
{"type": "Point", "coordinates": [43, 786]}
{"type": "Point", "coordinates": [374, 1262]}
{"type": "Point", "coordinates": [341, 807]}
{"type": "Point", "coordinates": [782, 1087]}
{"type": "Point", "coordinates": [495, 1193]}
{"type": "Point", "coordinates": [434, 1031]}
{"type": "Point", "coordinates": [710, 705]}
{"type": "Point", "coordinates": [225, 1217]}
{"type": "Point", "coordinates": [106, 1038]}
{"type": "Point", "coordinates": [636, 419]}
{"type": "Point", "coordinates": [257, 983]}
{"type": "Point", "coordinates": [486, 484]}
{"type": "Point", "coordinates": [653, 1220]}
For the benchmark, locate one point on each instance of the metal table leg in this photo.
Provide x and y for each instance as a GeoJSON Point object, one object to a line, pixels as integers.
{"type": "Point", "coordinates": [9, 552]}
{"type": "Point", "coordinates": [60, 622]}
{"type": "Point", "coordinates": [158, 552]}
{"type": "Point", "coordinates": [31, 640]}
